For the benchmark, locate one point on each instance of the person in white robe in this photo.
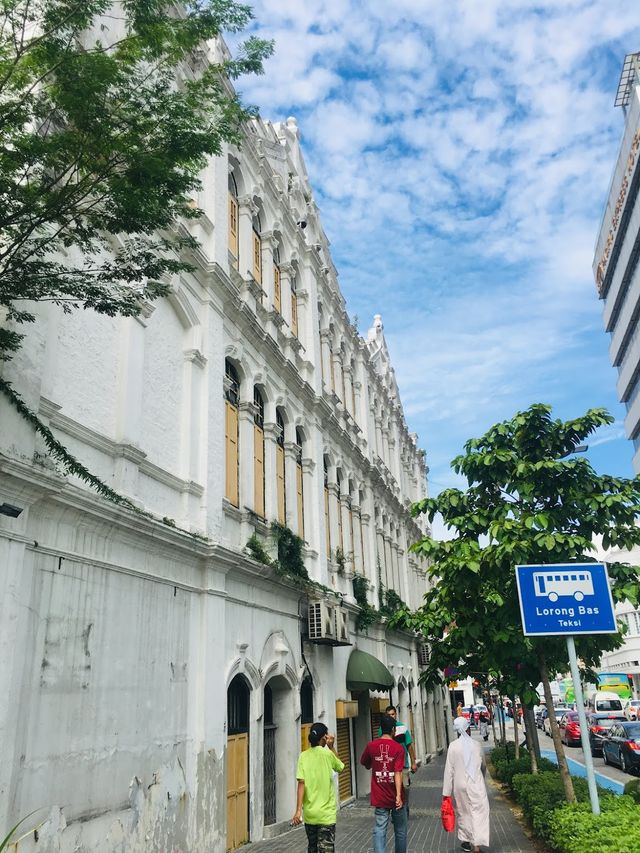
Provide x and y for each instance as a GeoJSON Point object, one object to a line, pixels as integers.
{"type": "Point", "coordinates": [464, 781]}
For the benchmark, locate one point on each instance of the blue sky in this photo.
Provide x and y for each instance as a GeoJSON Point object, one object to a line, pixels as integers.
{"type": "Point", "coordinates": [460, 153]}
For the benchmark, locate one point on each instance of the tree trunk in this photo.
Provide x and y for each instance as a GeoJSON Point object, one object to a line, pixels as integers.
{"type": "Point", "coordinates": [502, 723]}
{"type": "Point", "coordinates": [532, 736]}
{"type": "Point", "coordinates": [514, 706]}
{"type": "Point", "coordinates": [493, 709]}
{"type": "Point", "coordinates": [567, 781]}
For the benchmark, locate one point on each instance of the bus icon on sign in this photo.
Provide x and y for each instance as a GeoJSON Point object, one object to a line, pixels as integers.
{"type": "Point", "coordinates": [554, 583]}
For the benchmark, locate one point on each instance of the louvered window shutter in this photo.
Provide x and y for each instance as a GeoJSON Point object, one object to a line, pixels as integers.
{"type": "Point", "coordinates": [257, 258]}
{"type": "Point", "coordinates": [282, 506]}
{"type": "Point", "coordinates": [231, 453]}
{"type": "Point", "coordinates": [233, 228]}
{"type": "Point", "coordinates": [258, 471]}
{"type": "Point", "coordinates": [277, 303]}
{"type": "Point", "coordinates": [300, 496]}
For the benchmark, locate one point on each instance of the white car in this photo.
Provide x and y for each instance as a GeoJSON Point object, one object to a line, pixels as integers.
{"type": "Point", "coordinates": [632, 709]}
{"type": "Point", "coordinates": [560, 710]}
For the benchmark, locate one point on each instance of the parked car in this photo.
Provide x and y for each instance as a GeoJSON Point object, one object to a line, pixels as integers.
{"type": "Point", "coordinates": [632, 709]}
{"type": "Point", "coordinates": [478, 709]}
{"type": "Point", "coordinates": [569, 726]}
{"type": "Point", "coordinates": [560, 711]}
{"type": "Point", "coordinates": [622, 746]}
{"type": "Point", "coordinates": [468, 714]}
{"type": "Point", "coordinates": [599, 726]}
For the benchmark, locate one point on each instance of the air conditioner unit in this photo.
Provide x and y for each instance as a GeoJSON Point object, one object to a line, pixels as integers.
{"type": "Point", "coordinates": [423, 654]}
{"type": "Point", "coordinates": [322, 622]}
{"type": "Point", "coordinates": [342, 625]}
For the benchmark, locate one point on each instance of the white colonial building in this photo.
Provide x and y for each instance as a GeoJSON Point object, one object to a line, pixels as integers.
{"type": "Point", "coordinates": [158, 681]}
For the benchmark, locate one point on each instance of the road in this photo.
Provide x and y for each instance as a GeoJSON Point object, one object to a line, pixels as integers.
{"type": "Point", "coordinates": [607, 776]}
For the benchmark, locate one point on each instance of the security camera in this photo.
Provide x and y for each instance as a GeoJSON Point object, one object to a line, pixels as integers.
{"type": "Point", "coordinates": [302, 223]}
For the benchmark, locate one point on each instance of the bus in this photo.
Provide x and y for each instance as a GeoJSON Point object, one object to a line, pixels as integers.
{"type": "Point", "coordinates": [554, 582]}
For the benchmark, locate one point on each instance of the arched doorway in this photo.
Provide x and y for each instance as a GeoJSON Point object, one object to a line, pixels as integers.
{"type": "Point", "coordinates": [306, 708]}
{"type": "Point", "coordinates": [269, 762]}
{"type": "Point", "coordinates": [280, 751]}
{"type": "Point", "coordinates": [238, 699]}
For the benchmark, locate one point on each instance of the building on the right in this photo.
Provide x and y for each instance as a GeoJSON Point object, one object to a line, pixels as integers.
{"type": "Point", "coordinates": [617, 272]}
{"type": "Point", "coordinates": [615, 265]}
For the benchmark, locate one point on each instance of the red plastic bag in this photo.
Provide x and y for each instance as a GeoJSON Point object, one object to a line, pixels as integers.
{"type": "Point", "coordinates": [447, 814]}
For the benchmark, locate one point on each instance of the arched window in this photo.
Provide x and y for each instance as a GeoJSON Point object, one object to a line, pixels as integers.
{"type": "Point", "coordinates": [351, 540]}
{"type": "Point", "coordinates": [234, 240]}
{"type": "Point", "coordinates": [294, 306]}
{"type": "Point", "coordinates": [281, 489]}
{"type": "Point", "coordinates": [232, 399]}
{"type": "Point", "coordinates": [257, 249]}
{"type": "Point", "coordinates": [326, 506]}
{"type": "Point", "coordinates": [361, 504]}
{"type": "Point", "coordinates": [299, 482]}
{"type": "Point", "coordinates": [258, 453]}
{"type": "Point", "coordinates": [306, 708]}
{"type": "Point", "coordinates": [340, 531]}
{"type": "Point", "coordinates": [277, 297]}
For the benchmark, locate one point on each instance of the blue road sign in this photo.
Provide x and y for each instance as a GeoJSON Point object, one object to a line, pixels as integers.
{"type": "Point", "coordinates": [568, 598]}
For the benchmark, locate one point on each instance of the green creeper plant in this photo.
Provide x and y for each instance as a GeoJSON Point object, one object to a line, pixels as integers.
{"type": "Point", "coordinates": [529, 500]}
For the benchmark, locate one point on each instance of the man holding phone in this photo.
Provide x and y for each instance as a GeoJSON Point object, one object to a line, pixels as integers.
{"type": "Point", "coordinates": [316, 791]}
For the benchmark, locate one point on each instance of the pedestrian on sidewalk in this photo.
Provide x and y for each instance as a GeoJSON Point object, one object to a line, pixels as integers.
{"type": "Point", "coordinates": [403, 737]}
{"type": "Point", "coordinates": [464, 780]}
{"type": "Point", "coordinates": [483, 722]}
{"type": "Point", "coordinates": [385, 758]}
{"type": "Point", "coordinates": [316, 790]}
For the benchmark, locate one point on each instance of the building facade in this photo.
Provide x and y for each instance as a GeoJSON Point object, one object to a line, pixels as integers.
{"type": "Point", "coordinates": [617, 251]}
{"type": "Point", "coordinates": [617, 275]}
{"type": "Point", "coordinates": [158, 680]}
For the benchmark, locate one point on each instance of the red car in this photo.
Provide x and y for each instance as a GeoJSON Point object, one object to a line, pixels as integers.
{"type": "Point", "coordinates": [569, 726]}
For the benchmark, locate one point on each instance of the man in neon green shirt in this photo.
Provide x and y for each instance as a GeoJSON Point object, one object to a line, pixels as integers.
{"type": "Point", "coordinates": [316, 791]}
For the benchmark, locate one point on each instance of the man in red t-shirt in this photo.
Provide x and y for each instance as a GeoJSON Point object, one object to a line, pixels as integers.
{"type": "Point", "coordinates": [385, 758]}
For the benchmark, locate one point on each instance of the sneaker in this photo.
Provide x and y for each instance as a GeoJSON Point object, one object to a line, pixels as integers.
{"type": "Point", "coordinates": [466, 845]}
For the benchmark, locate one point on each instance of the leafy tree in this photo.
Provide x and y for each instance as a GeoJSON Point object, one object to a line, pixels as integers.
{"type": "Point", "coordinates": [528, 501]}
{"type": "Point", "coordinates": [109, 113]}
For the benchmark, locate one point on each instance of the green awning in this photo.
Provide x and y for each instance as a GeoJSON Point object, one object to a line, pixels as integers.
{"type": "Point", "coordinates": [364, 672]}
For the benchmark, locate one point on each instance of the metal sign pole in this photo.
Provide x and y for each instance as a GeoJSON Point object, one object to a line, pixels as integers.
{"type": "Point", "coordinates": [584, 734]}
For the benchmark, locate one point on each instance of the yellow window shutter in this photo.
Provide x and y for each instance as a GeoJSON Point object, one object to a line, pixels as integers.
{"type": "Point", "coordinates": [257, 258]}
{"type": "Point", "coordinates": [231, 453]}
{"type": "Point", "coordinates": [351, 530]}
{"type": "Point", "coordinates": [294, 314]}
{"type": "Point", "coordinates": [300, 496]}
{"type": "Point", "coordinates": [276, 289]}
{"type": "Point", "coordinates": [282, 506]}
{"type": "Point", "coordinates": [326, 519]}
{"type": "Point", "coordinates": [233, 227]}
{"type": "Point", "coordinates": [258, 471]}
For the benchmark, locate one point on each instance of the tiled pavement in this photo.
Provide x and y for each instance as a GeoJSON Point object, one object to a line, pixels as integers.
{"type": "Point", "coordinates": [355, 823]}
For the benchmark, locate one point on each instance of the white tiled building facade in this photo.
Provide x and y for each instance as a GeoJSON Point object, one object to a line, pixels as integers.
{"type": "Point", "coordinates": [617, 275]}
{"type": "Point", "coordinates": [615, 264]}
{"type": "Point", "coordinates": [156, 681]}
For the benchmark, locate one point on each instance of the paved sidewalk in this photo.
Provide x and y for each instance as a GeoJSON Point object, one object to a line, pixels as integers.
{"type": "Point", "coordinates": [355, 823]}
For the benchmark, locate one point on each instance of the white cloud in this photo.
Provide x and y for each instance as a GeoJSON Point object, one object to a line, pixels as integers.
{"type": "Point", "coordinates": [460, 153]}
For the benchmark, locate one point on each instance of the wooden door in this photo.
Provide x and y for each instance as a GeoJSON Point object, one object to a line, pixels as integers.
{"type": "Point", "coordinates": [343, 737]}
{"type": "Point", "coordinates": [305, 728]}
{"type": "Point", "coordinates": [237, 790]}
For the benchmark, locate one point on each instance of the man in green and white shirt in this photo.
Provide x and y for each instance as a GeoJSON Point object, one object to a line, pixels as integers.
{"type": "Point", "coordinates": [316, 790]}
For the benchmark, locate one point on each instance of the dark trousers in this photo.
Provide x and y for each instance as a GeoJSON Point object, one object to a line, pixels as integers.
{"type": "Point", "coordinates": [321, 839]}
